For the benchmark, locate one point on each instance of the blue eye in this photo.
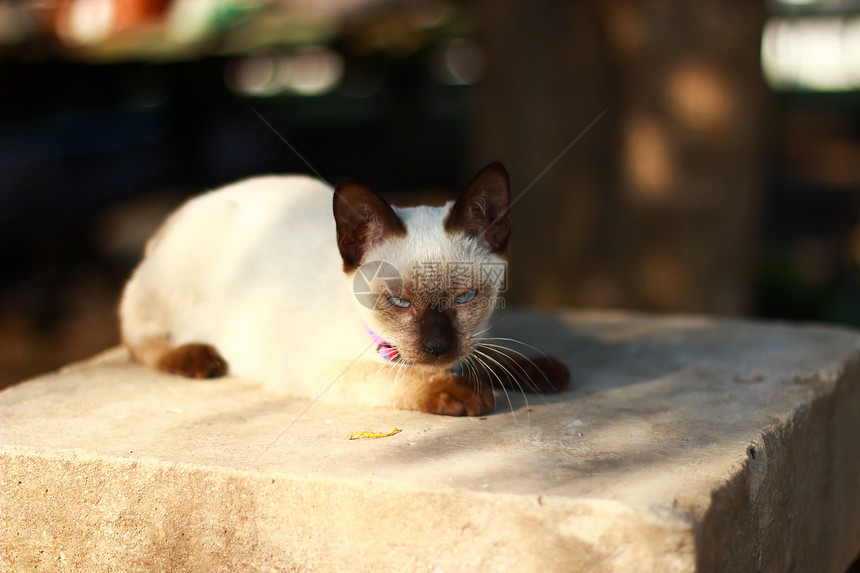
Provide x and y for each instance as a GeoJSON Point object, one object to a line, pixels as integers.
{"type": "Point", "coordinates": [466, 296]}
{"type": "Point", "coordinates": [399, 302]}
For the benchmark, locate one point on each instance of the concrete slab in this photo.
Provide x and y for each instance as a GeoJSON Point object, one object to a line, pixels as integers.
{"type": "Point", "coordinates": [685, 444]}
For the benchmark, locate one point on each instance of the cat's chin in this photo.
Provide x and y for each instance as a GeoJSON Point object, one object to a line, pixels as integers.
{"type": "Point", "coordinates": [434, 362]}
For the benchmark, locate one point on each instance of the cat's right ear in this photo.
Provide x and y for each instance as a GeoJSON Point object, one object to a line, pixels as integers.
{"type": "Point", "coordinates": [363, 220]}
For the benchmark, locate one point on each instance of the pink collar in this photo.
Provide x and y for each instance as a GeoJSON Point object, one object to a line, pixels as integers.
{"type": "Point", "coordinates": [386, 350]}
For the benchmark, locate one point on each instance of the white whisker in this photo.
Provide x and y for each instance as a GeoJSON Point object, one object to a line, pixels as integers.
{"type": "Point", "coordinates": [518, 353]}
{"type": "Point", "coordinates": [471, 373]}
{"type": "Point", "coordinates": [499, 350]}
{"type": "Point", "coordinates": [527, 379]}
{"type": "Point", "coordinates": [510, 376]}
{"type": "Point", "coordinates": [398, 383]}
{"type": "Point", "coordinates": [507, 396]}
{"type": "Point", "coordinates": [480, 332]}
{"type": "Point", "coordinates": [514, 340]}
{"type": "Point", "coordinates": [378, 370]}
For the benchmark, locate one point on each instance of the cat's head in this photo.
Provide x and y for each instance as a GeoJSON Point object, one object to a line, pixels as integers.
{"type": "Point", "coordinates": [426, 278]}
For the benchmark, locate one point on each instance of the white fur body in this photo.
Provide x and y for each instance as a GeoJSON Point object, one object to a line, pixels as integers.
{"type": "Point", "coordinates": [254, 270]}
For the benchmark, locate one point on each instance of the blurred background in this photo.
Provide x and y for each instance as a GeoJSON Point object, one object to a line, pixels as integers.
{"type": "Point", "coordinates": [665, 155]}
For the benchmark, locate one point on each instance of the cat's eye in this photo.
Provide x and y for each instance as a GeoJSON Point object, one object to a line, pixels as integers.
{"type": "Point", "coordinates": [399, 302]}
{"type": "Point", "coordinates": [466, 296]}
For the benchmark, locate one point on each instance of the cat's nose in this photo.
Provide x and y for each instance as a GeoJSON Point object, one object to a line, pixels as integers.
{"type": "Point", "coordinates": [437, 333]}
{"type": "Point", "coordinates": [438, 347]}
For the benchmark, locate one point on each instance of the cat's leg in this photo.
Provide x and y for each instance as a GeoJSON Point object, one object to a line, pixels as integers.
{"type": "Point", "coordinates": [144, 323]}
{"type": "Point", "coordinates": [534, 374]}
{"type": "Point", "coordinates": [190, 360]}
{"type": "Point", "coordinates": [418, 388]}
{"type": "Point", "coordinates": [193, 361]}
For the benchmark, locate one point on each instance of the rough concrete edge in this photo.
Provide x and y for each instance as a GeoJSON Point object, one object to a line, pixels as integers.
{"type": "Point", "coordinates": [819, 473]}
{"type": "Point", "coordinates": [739, 542]}
{"type": "Point", "coordinates": [105, 355]}
{"type": "Point", "coordinates": [483, 530]}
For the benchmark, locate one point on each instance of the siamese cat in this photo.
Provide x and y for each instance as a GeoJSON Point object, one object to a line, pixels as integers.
{"type": "Point", "coordinates": [334, 293]}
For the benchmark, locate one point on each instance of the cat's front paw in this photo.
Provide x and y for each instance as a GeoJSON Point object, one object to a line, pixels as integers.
{"type": "Point", "coordinates": [460, 396]}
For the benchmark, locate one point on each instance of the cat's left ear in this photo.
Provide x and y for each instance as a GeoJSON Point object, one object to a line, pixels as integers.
{"type": "Point", "coordinates": [482, 211]}
{"type": "Point", "coordinates": [363, 220]}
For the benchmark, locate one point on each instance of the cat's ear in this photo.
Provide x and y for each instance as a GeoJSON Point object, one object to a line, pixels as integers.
{"type": "Point", "coordinates": [482, 210]}
{"type": "Point", "coordinates": [363, 219]}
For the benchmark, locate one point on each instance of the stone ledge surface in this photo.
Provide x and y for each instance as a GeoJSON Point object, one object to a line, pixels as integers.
{"type": "Point", "coordinates": [685, 444]}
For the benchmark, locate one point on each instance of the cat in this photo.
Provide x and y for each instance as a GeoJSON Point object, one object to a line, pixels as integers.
{"type": "Point", "coordinates": [375, 305]}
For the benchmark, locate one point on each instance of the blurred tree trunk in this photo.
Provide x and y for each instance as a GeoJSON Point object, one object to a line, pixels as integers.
{"type": "Point", "coordinates": [655, 206]}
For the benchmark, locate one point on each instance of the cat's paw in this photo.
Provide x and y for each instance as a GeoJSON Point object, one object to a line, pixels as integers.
{"type": "Point", "coordinates": [537, 375]}
{"type": "Point", "coordinates": [461, 396]}
{"type": "Point", "coordinates": [193, 361]}
{"type": "Point", "coordinates": [546, 375]}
